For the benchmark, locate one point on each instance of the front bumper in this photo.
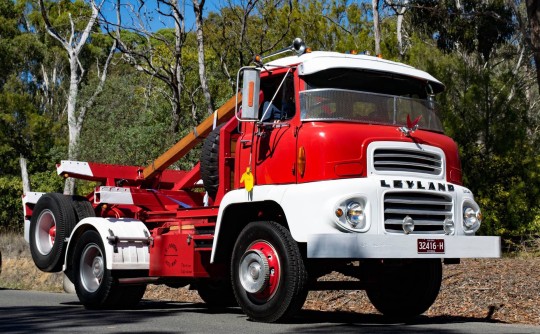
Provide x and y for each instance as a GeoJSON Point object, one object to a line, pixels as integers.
{"type": "Point", "coordinates": [364, 246]}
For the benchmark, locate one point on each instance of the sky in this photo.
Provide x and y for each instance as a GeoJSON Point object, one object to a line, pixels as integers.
{"type": "Point", "coordinates": [156, 21]}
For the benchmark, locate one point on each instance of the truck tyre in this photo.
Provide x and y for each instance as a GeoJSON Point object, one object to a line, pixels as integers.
{"type": "Point", "coordinates": [83, 208]}
{"type": "Point", "coordinates": [405, 290]}
{"type": "Point", "coordinates": [53, 219]}
{"type": "Point", "coordinates": [217, 294]}
{"type": "Point", "coordinates": [95, 285]}
{"type": "Point", "coordinates": [268, 274]}
{"type": "Point", "coordinates": [210, 162]}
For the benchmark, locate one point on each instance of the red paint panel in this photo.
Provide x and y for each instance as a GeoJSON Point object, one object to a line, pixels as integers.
{"type": "Point", "coordinates": [349, 169]}
{"type": "Point", "coordinates": [173, 254]}
{"type": "Point", "coordinates": [338, 150]}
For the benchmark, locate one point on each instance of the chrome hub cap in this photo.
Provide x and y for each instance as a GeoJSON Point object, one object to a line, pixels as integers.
{"type": "Point", "coordinates": [92, 268]}
{"type": "Point", "coordinates": [254, 271]}
{"type": "Point", "coordinates": [45, 233]}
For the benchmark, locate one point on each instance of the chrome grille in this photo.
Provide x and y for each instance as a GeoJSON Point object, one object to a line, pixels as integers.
{"type": "Point", "coordinates": [407, 160]}
{"type": "Point", "coordinates": [427, 210]}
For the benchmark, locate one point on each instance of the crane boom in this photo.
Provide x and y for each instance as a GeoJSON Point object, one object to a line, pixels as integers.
{"type": "Point", "coordinates": [182, 147]}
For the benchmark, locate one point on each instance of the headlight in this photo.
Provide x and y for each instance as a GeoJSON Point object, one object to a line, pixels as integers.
{"type": "Point", "coordinates": [355, 215]}
{"type": "Point", "coordinates": [350, 214]}
{"type": "Point", "coordinates": [472, 218]}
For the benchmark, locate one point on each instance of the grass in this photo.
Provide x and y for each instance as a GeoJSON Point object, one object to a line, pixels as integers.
{"type": "Point", "coordinates": [18, 269]}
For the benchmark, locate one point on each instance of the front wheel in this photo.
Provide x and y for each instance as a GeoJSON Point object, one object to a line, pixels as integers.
{"type": "Point", "coordinates": [94, 283]}
{"type": "Point", "coordinates": [404, 290]}
{"type": "Point", "coordinates": [268, 274]}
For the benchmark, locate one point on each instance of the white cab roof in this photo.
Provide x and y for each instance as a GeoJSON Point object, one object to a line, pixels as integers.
{"type": "Point", "coordinates": [316, 61]}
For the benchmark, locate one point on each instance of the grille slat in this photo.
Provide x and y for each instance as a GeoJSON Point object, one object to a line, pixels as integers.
{"type": "Point", "coordinates": [407, 160]}
{"type": "Point", "coordinates": [427, 210]}
{"type": "Point", "coordinates": [416, 222]}
{"type": "Point", "coordinates": [415, 231]}
{"type": "Point", "coordinates": [416, 201]}
{"type": "Point", "coordinates": [408, 156]}
{"type": "Point", "coordinates": [415, 212]}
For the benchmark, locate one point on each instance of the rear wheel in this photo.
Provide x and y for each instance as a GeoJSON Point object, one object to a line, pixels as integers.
{"type": "Point", "coordinates": [268, 274]}
{"type": "Point", "coordinates": [217, 294]}
{"type": "Point", "coordinates": [404, 290]}
{"type": "Point", "coordinates": [53, 219]}
{"type": "Point", "coordinates": [95, 285]}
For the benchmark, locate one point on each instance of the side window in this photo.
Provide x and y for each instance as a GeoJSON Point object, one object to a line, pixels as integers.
{"type": "Point", "coordinates": [278, 103]}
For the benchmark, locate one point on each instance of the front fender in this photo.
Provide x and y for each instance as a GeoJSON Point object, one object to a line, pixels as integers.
{"type": "Point", "coordinates": [129, 252]}
{"type": "Point", "coordinates": [260, 194]}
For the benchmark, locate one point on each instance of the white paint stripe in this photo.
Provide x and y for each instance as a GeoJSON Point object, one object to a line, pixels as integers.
{"type": "Point", "coordinates": [75, 167]}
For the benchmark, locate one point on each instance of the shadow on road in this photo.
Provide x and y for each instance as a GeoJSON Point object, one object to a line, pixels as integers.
{"type": "Point", "coordinates": [73, 315]}
{"type": "Point", "coordinates": [309, 316]}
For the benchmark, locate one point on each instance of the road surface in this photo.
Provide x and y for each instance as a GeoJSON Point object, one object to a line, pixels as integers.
{"type": "Point", "coordinates": [40, 312]}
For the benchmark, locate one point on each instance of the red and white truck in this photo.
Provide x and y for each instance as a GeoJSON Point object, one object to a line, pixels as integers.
{"type": "Point", "coordinates": [323, 162]}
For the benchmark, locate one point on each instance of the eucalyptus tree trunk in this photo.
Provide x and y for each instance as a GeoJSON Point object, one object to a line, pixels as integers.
{"type": "Point", "coordinates": [24, 175]}
{"type": "Point", "coordinates": [376, 27]}
{"type": "Point", "coordinates": [73, 45]}
{"type": "Point", "coordinates": [533, 14]}
{"type": "Point", "coordinates": [198, 9]}
{"type": "Point", "coordinates": [400, 13]}
{"type": "Point", "coordinates": [399, 7]}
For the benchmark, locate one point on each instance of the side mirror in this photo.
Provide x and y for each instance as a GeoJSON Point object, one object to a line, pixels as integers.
{"type": "Point", "coordinates": [250, 94]}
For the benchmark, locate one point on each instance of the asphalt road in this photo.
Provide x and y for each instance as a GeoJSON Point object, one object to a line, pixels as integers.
{"type": "Point", "coordinates": [39, 312]}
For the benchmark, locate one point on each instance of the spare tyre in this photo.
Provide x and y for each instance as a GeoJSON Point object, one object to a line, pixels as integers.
{"type": "Point", "coordinates": [53, 219]}
{"type": "Point", "coordinates": [210, 163]}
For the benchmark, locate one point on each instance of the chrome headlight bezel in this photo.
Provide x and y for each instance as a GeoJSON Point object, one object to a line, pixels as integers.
{"type": "Point", "coordinates": [471, 217]}
{"type": "Point", "coordinates": [350, 215]}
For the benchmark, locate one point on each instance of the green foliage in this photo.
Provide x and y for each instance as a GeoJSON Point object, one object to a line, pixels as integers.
{"type": "Point", "coordinates": [488, 109]}
{"type": "Point", "coordinates": [127, 123]}
{"type": "Point", "coordinates": [11, 203]}
{"type": "Point", "coordinates": [479, 26]}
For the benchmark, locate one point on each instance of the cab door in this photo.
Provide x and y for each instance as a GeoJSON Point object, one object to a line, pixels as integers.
{"type": "Point", "coordinates": [274, 151]}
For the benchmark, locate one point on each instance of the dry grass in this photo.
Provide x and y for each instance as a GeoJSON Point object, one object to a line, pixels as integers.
{"type": "Point", "coordinates": [506, 290]}
{"type": "Point", "coordinates": [18, 269]}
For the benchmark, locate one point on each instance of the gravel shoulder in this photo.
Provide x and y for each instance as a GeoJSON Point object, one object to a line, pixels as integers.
{"type": "Point", "coordinates": [501, 290]}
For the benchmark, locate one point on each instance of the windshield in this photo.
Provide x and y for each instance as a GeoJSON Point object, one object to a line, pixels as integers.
{"type": "Point", "coordinates": [328, 104]}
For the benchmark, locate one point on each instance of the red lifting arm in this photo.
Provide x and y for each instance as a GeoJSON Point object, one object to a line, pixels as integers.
{"type": "Point", "coordinates": [181, 148]}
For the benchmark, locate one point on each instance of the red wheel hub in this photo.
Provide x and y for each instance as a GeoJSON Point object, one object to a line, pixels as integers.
{"type": "Point", "coordinates": [52, 233]}
{"type": "Point", "coordinates": [273, 267]}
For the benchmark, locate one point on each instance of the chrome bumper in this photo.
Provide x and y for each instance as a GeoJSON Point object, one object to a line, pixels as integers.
{"type": "Point", "coordinates": [364, 246]}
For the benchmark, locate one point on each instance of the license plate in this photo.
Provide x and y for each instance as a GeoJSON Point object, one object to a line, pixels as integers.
{"type": "Point", "coordinates": [430, 246]}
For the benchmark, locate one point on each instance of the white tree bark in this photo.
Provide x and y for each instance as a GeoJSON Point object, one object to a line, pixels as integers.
{"type": "Point", "coordinates": [73, 45]}
{"type": "Point", "coordinates": [24, 175]}
{"type": "Point", "coordinates": [376, 27]}
{"type": "Point", "coordinates": [400, 7]}
{"type": "Point", "coordinates": [198, 10]}
{"type": "Point", "coordinates": [399, 34]}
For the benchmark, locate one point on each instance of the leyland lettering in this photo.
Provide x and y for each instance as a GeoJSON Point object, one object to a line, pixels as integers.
{"type": "Point", "coordinates": [314, 167]}
{"type": "Point", "coordinates": [419, 185]}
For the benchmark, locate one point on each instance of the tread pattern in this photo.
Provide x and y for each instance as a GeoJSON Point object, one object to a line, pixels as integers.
{"type": "Point", "coordinates": [64, 215]}
{"type": "Point", "coordinates": [422, 279]}
{"type": "Point", "coordinates": [210, 163]}
{"type": "Point", "coordinates": [292, 292]}
{"type": "Point", "coordinates": [109, 295]}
